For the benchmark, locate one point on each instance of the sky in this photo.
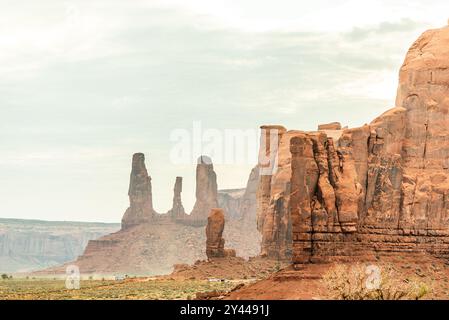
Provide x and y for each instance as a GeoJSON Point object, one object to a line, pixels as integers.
{"type": "Point", "coordinates": [85, 84]}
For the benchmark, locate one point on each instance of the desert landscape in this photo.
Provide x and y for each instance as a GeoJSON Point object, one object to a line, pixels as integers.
{"type": "Point", "coordinates": [339, 208]}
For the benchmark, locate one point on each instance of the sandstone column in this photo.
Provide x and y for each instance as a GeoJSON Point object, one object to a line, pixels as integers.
{"type": "Point", "coordinates": [177, 211]}
{"type": "Point", "coordinates": [214, 236]}
{"type": "Point", "coordinates": [206, 189]}
{"type": "Point", "coordinates": [140, 196]}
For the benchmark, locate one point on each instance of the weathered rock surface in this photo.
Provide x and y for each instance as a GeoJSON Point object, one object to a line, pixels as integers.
{"type": "Point", "coordinates": [380, 188]}
{"type": "Point", "coordinates": [206, 189]}
{"type": "Point", "coordinates": [214, 236]}
{"type": "Point", "coordinates": [140, 196]}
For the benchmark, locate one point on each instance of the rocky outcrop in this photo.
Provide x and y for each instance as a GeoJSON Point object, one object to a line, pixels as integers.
{"type": "Point", "coordinates": [214, 236]}
{"type": "Point", "coordinates": [206, 189]}
{"type": "Point", "coordinates": [140, 197]}
{"type": "Point", "coordinates": [177, 211]}
{"type": "Point", "coordinates": [380, 188]}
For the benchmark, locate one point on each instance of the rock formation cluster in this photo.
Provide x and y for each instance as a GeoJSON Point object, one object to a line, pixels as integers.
{"type": "Point", "coordinates": [214, 236]}
{"type": "Point", "coordinates": [151, 243]}
{"type": "Point", "coordinates": [380, 188]}
{"type": "Point", "coordinates": [141, 209]}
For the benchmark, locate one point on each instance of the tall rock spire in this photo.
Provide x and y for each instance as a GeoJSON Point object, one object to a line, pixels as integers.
{"type": "Point", "coordinates": [206, 189]}
{"type": "Point", "coordinates": [177, 211]}
{"type": "Point", "coordinates": [140, 196]}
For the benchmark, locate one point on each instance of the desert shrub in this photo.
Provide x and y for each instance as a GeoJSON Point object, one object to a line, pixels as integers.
{"type": "Point", "coordinates": [347, 282]}
{"type": "Point", "coordinates": [4, 276]}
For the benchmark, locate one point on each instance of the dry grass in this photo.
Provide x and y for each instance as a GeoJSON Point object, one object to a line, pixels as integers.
{"type": "Point", "coordinates": [349, 282]}
{"type": "Point", "coordinates": [44, 289]}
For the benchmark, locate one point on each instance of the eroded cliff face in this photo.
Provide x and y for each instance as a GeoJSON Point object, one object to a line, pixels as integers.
{"type": "Point", "coordinates": [140, 194]}
{"type": "Point", "coordinates": [379, 188]}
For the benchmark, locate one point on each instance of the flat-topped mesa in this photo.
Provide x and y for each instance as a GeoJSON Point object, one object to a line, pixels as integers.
{"type": "Point", "coordinates": [177, 211]}
{"type": "Point", "coordinates": [329, 126]}
{"type": "Point", "coordinates": [214, 236]}
{"type": "Point", "coordinates": [206, 190]}
{"type": "Point", "coordinates": [140, 196]}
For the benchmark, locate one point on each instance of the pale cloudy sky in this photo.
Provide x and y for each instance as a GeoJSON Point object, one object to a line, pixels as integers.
{"type": "Point", "coordinates": [84, 84]}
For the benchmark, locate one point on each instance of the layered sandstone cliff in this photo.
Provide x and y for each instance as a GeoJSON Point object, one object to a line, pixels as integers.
{"type": "Point", "coordinates": [28, 245]}
{"type": "Point", "coordinates": [382, 187]}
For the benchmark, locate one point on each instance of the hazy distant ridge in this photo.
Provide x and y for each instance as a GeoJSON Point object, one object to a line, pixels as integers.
{"type": "Point", "coordinates": [27, 245]}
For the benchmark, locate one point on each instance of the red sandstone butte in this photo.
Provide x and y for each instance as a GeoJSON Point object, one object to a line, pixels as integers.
{"type": "Point", "coordinates": [379, 188]}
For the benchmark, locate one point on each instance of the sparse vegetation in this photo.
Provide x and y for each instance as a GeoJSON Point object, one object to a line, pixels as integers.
{"type": "Point", "coordinates": [350, 283]}
{"type": "Point", "coordinates": [142, 289]}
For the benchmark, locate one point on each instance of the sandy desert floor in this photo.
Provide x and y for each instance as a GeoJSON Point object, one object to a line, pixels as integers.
{"type": "Point", "coordinates": [231, 279]}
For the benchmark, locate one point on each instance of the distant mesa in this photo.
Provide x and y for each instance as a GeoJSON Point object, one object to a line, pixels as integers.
{"type": "Point", "coordinates": [330, 126]}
